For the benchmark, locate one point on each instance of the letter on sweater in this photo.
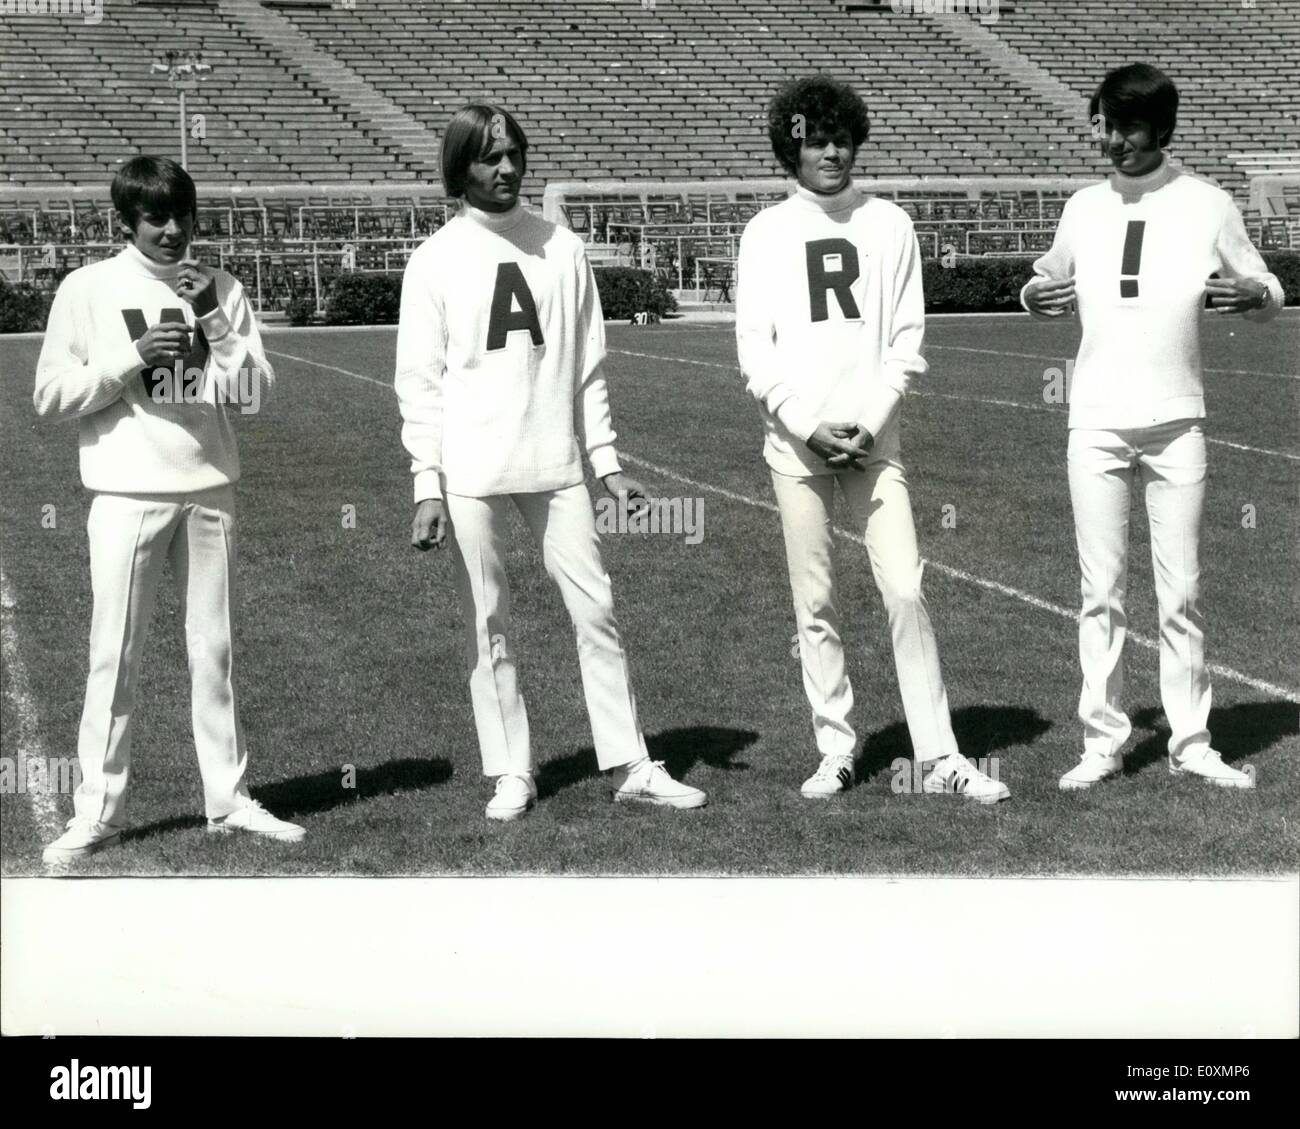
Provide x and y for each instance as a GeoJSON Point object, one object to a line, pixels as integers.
{"type": "Point", "coordinates": [194, 361]}
{"type": "Point", "coordinates": [511, 286]}
{"type": "Point", "coordinates": [832, 265]}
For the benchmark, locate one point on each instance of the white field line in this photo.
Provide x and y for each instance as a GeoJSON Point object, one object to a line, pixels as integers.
{"type": "Point", "coordinates": [971, 399]}
{"type": "Point", "coordinates": [1061, 360]}
{"type": "Point", "coordinates": [1033, 601]}
{"type": "Point", "coordinates": [980, 582]}
{"type": "Point", "coordinates": [30, 747]}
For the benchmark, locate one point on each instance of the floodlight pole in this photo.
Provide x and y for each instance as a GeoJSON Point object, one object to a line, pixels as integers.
{"type": "Point", "coordinates": [183, 72]}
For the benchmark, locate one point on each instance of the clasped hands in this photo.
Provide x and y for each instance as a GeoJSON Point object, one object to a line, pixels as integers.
{"type": "Point", "coordinates": [842, 445]}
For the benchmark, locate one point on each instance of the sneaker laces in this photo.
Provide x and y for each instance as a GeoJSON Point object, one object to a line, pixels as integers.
{"type": "Point", "coordinates": [830, 768]}
{"type": "Point", "coordinates": [959, 772]}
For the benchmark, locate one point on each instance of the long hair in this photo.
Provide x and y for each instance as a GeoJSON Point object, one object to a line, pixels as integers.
{"type": "Point", "coordinates": [469, 135]}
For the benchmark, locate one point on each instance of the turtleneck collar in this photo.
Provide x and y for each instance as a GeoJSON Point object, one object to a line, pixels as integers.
{"type": "Point", "coordinates": [845, 198]}
{"type": "Point", "coordinates": [494, 221]}
{"type": "Point", "coordinates": [1158, 177]}
{"type": "Point", "coordinates": [142, 264]}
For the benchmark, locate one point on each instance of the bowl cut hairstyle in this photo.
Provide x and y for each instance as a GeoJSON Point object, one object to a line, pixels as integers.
{"type": "Point", "coordinates": [1138, 93]}
{"type": "Point", "coordinates": [155, 186]}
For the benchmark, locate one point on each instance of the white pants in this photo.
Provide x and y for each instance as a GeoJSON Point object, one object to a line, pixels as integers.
{"type": "Point", "coordinates": [561, 522]}
{"type": "Point", "coordinates": [879, 509]}
{"type": "Point", "coordinates": [131, 536]}
{"type": "Point", "coordinates": [1168, 461]}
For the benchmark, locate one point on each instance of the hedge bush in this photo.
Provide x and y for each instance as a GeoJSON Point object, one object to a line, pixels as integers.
{"type": "Point", "coordinates": [1286, 265]}
{"type": "Point", "coordinates": [376, 299]}
{"type": "Point", "coordinates": [24, 308]}
{"type": "Point", "coordinates": [364, 299]}
{"type": "Point", "coordinates": [986, 285]}
{"type": "Point", "coordinates": [301, 311]}
{"type": "Point", "coordinates": [627, 291]}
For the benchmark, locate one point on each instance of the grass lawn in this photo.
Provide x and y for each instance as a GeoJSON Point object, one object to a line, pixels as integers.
{"type": "Point", "coordinates": [350, 661]}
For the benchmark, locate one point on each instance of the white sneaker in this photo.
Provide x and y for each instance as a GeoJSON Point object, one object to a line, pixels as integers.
{"type": "Point", "coordinates": [1209, 765]}
{"type": "Point", "coordinates": [955, 775]}
{"type": "Point", "coordinates": [651, 784]}
{"type": "Point", "coordinates": [833, 776]}
{"type": "Point", "coordinates": [250, 816]}
{"type": "Point", "coordinates": [515, 794]}
{"type": "Point", "coordinates": [81, 838]}
{"type": "Point", "coordinates": [1092, 769]}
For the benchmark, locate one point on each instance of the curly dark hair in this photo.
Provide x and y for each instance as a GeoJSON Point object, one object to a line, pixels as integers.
{"type": "Point", "coordinates": [821, 105]}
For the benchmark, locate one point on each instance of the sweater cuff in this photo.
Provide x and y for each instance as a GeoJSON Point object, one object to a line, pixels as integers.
{"type": "Point", "coordinates": [215, 324]}
{"type": "Point", "coordinates": [427, 486]}
{"type": "Point", "coordinates": [604, 460]}
{"type": "Point", "coordinates": [1271, 308]}
{"type": "Point", "coordinates": [881, 405]}
{"type": "Point", "coordinates": [796, 420]}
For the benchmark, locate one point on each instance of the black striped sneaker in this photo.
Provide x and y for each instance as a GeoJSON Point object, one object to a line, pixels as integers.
{"type": "Point", "coordinates": [833, 776]}
{"type": "Point", "coordinates": [956, 776]}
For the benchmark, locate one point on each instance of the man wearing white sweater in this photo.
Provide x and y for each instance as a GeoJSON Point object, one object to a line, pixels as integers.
{"type": "Point", "coordinates": [500, 335]}
{"type": "Point", "coordinates": [830, 317]}
{"type": "Point", "coordinates": [146, 350]}
{"type": "Point", "coordinates": [1134, 254]}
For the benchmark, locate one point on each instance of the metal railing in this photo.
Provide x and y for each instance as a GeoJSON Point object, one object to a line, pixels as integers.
{"type": "Point", "coordinates": [272, 276]}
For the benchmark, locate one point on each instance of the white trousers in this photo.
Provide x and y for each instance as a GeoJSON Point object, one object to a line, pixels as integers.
{"type": "Point", "coordinates": [131, 536]}
{"type": "Point", "coordinates": [562, 523]}
{"type": "Point", "coordinates": [880, 510]}
{"type": "Point", "coordinates": [1168, 461]}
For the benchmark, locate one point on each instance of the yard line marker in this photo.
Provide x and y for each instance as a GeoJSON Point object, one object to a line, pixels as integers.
{"type": "Point", "coordinates": [1227, 672]}
{"type": "Point", "coordinates": [1065, 411]}
{"type": "Point", "coordinates": [979, 581]}
{"type": "Point", "coordinates": [319, 364]}
{"type": "Point", "coordinates": [968, 400]}
{"type": "Point", "coordinates": [1061, 361]}
{"type": "Point", "coordinates": [1046, 357]}
{"type": "Point", "coordinates": [31, 748]}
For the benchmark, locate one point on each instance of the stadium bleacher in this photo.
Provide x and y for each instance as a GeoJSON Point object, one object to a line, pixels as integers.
{"type": "Point", "coordinates": [320, 117]}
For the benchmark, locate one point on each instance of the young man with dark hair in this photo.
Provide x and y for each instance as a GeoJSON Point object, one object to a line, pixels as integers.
{"type": "Point", "coordinates": [829, 322]}
{"type": "Point", "coordinates": [1135, 254]}
{"type": "Point", "coordinates": [145, 350]}
{"type": "Point", "coordinates": [500, 336]}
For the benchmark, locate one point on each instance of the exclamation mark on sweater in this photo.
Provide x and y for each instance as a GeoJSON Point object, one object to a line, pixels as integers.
{"type": "Point", "coordinates": [1132, 262]}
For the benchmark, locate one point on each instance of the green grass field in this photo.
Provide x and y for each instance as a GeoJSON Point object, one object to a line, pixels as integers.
{"type": "Point", "coordinates": [349, 643]}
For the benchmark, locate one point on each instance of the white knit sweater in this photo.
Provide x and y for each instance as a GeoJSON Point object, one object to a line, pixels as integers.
{"type": "Point", "coordinates": [131, 440]}
{"type": "Point", "coordinates": [1139, 360]}
{"type": "Point", "coordinates": [501, 333]}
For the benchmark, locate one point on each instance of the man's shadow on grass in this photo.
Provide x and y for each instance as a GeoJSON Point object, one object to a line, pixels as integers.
{"type": "Point", "coordinates": [980, 730]}
{"type": "Point", "coordinates": [679, 749]}
{"type": "Point", "coordinates": [1237, 731]}
{"type": "Point", "coordinates": [310, 795]}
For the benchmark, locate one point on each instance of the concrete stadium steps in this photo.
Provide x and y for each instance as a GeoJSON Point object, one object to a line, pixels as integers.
{"type": "Point", "coordinates": [377, 117]}
{"type": "Point", "coordinates": [81, 104]}
{"type": "Point", "coordinates": [611, 90]}
{"type": "Point", "coordinates": [1235, 66]}
{"type": "Point", "coordinates": [608, 89]}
